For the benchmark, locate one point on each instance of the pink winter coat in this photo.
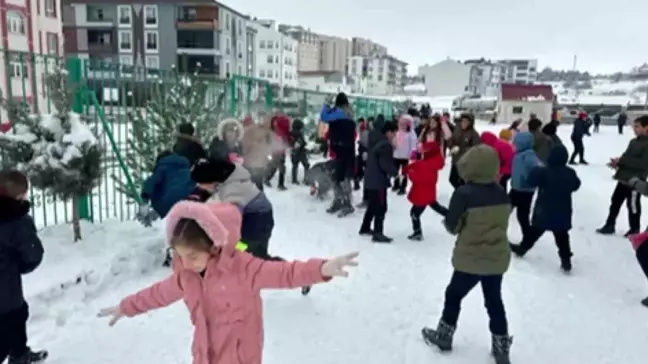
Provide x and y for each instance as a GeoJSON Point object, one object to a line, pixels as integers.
{"type": "Point", "coordinates": [225, 305]}
{"type": "Point", "coordinates": [504, 150]}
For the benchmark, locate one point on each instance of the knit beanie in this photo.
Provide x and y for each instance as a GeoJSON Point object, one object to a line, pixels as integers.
{"type": "Point", "coordinates": [506, 134]}
{"type": "Point", "coordinates": [211, 171]}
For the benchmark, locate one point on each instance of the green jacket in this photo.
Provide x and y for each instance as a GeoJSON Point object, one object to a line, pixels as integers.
{"type": "Point", "coordinates": [478, 214]}
{"type": "Point", "coordinates": [634, 161]}
{"type": "Point", "coordinates": [541, 145]}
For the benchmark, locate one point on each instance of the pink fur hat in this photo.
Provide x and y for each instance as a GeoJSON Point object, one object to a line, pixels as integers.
{"type": "Point", "coordinates": [221, 221]}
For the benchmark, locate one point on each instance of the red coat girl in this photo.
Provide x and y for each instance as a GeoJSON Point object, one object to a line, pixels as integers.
{"type": "Point", "coordinates": [424, 175]}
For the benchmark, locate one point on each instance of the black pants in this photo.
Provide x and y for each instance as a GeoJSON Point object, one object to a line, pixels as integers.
{"type": "Point", "coordinates": [579, 150]}
{"type": "Point", "coordinates": [277, 163]}
{"type": "Point", "coordinates": [455, 180]}
{"type": "Point", "coordinates": [461, 284]}
{"type": "Point", "coordinates": [620, 126]}
{"type": "Point", "coordinates": [256, 231]}
{"type": "Point", "coordinates": [13, 333]}
{"type": "Point", "coordinates": [297, 159]}
{"type": "Point", "coordinates": [642, 257]}
{"type": "Point", "coordinates": [400, 181]}
{"type": "Point", "coordinates": [359, 171]}
{"type": "Point", "coordinates": [417, 211]}
{"type": "Point", "coordinates": [521, 202]}
{"type": "Point", "coordinates": [624, 193]}
{"type": "Point", "coordinates": [257, 175]}
{"type": "Point", "coordinates": [561, 237]}
{"type": "Point", "coordinates": [504, 181]}
{"type": "Point", "coordinates": [596, 127]}
{"type": "Point", "coordinates": [376, 211]}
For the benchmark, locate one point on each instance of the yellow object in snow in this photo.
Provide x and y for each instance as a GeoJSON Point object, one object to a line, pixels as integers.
{"type": "Point", "coordinates": [241, 246]}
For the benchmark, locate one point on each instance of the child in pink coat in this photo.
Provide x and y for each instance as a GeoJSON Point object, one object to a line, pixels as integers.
{"type": "Point", "coordinates": [221, 285]}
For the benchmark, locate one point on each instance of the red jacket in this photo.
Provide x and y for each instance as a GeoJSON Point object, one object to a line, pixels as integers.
{"type": "Point", "coordinates": [504, 150]}
{"type": "Point", "coordinates": [281, 126]}
{"type": "Point", "coordinates": [424, 175]}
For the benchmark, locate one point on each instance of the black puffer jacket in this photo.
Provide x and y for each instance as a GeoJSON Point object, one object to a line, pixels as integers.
{"type": "Point", "coordinates": [21, 251]}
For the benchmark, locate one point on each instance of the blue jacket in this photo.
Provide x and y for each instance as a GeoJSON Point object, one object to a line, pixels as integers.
{"type": "Point", "coordinates": [556, 183]}
{"type": "Point", "coordinates": [524, 161]}
{"type": "Point", "coordinates": [341, 130]}
{"type": "Point", "coordinates": [580, 129]}
{"type": "Point", "coordinates": [170, 182]}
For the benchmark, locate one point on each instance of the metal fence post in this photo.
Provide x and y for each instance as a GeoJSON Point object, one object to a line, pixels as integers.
{"type": "Point", "coordinates": [74, 67]}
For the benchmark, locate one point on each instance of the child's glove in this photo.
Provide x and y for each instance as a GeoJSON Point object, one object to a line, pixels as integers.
{"type": "Point", "coordinates": [146, 215]}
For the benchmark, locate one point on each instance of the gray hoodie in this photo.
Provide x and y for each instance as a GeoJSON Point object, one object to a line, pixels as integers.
{"type": "Point", "coordinates": [238, 189]}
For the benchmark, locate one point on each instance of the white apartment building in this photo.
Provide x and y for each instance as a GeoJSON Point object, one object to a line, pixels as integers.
{"type": "Point", "coordinates": [523, 71]}
{"type": "Point", "coordinates": [31, 28]}
{"type": "Point", "coordinates": [325, 81]}
{"type": "Point", "coordinates": [446, 78]}
{"type": "Point", "coordinates": [486, 77]}
{"type": "Point", "coordinates": [380, 75]}
{"type": "Point", "coordinates": [276, 55]}
{"type": "Point", "coordinates": [233, 42]}
{"type": "Point", "coordinates": [309, 50]}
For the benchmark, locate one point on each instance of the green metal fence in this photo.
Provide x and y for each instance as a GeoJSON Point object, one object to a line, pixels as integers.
{"type": "Point", "coordinates": [108, 92]}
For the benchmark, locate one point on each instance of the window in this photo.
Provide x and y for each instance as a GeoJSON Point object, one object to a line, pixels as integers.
{"type": "Point", "coordinates": [262, 44]}
{"type": "Point", "coordinates": [126, 60]}
{"type": "Point", "coordinates": [270, 59]}
{"type": "Point", "coordinates": [15, 23]}
{"type": "Point", "coordinates": [238, 49]}
{"type": "Point", "coordinates": [228, 46]}
{"type": "Point", "coordinates": [18, 69]}
{"type": "Point", "coordinates": [152, 62]}
{"type": "Point", "coordinates": [262, 73]}
{"type": "Point", "coordinates": [277, 45]}
{"type": "Point", "coordinates": [518, 109]}
{"type": "Point", "coordinates": [227, 68]}
{"type": "Point", "coordinates": [276, 74]}
{"type": "Point", "coordinates": [52, 43]}
{"type": "Point", "coordinates": [125, 40]}
{"type": "Point", "coordinates": [276, 59]}
{"type": "Point", "coordinates": [125, 14]}
{"type": "Point", "coordinates": [50, 8]}
{"type": "Point", "coordinates": [151, 40]}
{"type": "Point", "coordinates": [227, 22]}
{"type": "Point", "coordinates": [240, 27]}
{"type": "Point", "coordinates": [150, 15]}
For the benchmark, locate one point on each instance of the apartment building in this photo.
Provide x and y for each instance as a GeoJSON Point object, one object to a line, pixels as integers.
{"type": "Point", "coordinates": [446, 78]}
{"type": "Point", "coordinates": [201, 34]}
{"type": "Point", "coordinates": [486, 76]}
{"type": "Point", "coordinates": [380, 75]}
{"type": "Point", "coordinates": [366, 48]}
{"type": "Point", "coordinates": [334, 52]}
{"type": "Point", "coordinates": [309, 50]}
{"type": "Point", "coordinates": [276, 54]}
{"type": "Point", "coordinates": [520, 71]}
{"type": "Point", "coordinates": [31, 28]}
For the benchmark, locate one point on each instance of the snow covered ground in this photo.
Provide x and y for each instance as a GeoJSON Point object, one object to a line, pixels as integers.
{"type": "Point", "coordinates": [375, 316]}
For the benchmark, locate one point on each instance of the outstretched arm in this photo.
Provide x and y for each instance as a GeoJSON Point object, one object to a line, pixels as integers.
{"type": "Point", "coordinates": [159, 295]}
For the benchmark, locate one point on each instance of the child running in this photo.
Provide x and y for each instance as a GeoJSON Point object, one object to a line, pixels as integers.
{"type": "Point", "coordinates": [220, 285]}
{"type": "Point", "coordinates": [478, 214]}
{"type": "Point", "coordinates": [424, 175]}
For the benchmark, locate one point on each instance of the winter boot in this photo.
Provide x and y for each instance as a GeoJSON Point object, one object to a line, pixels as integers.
{"type": "Point", "coordinates": [566, 264]}
{"type": "Point", "coordinates": [500, 348]}
{"type": "Point", "coordinates": [583, 162]}
{"type": "Point", "coordinates": [306, 290]}
{"type": "Point", "coordinates": [267, 183]}
{"type": "Point", "coordinates": [29, 357]}
{"type": "Point", "coordinates": [365, 232]}
{"type": "Point", "coordinates": [645, 302]}
{"type": "Point", "coordinates": [345, 211]}
{"type": "Point", "coordinates": [441, 337]}
{"type": "Point", "coordinates": [606, 230]}
{"type": "Point", "coordinates": [381, 238]}
{"type": "Point", "coordinates": [335, 207]}
{"type": "Point", "coordinates": [416, 236]}
{"type": "Point", "coordinates": [517, 250]}
{"type": "Point", "coordinates": [396, 185]}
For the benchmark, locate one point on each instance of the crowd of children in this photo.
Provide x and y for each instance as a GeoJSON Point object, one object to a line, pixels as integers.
{"type": "Point", "coordinates": [222, 245]}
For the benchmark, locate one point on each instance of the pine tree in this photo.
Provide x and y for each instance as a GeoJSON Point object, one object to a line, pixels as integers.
{"type": "Point", "coordinates": [58, 152]}
{"type": "Point", "coordinates": [186, 99]}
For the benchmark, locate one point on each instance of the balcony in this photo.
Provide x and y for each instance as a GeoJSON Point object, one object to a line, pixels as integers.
{"type": "Point", "coordinates": [197, 17]}
{"type": "Point", "coordinates": [101, 42]}
{"type": "Point", "coordinates": [99, 14]}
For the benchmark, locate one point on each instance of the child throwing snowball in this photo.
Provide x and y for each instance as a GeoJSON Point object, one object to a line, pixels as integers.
{"type": "Point", "coordinates": [221, 285]}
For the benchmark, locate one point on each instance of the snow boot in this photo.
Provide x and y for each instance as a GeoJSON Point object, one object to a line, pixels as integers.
{"type": "Point", "coordinates": [584, 163]}
{"type": "Point", "coordinates": [441, 337]}
{"type": "Point", "coordinates": [365, 232]}
{"type": "Point", "coordinates": [645, 302]}
{"type": "Point", "coordinates": [345, 211]}
{"type": "Point", "coordinates": [606, 230]}
{"type": "Point", "coordinates": [416, 236]}
{"type": "Point", "coordinates": [517, 250]}
{"type": "Point", "coordinates": [306, 290]}
{"type": "Point", "coordinates": [381, 238]}
{"type": "Point", "coordinates": [335, 207]}
{"type": "Point", "coordinates": [281, 187]}
{"type": "Point", "coordinates": [29, 357]}
{"type": "Point", "coordinates": [566, 264]}
{"type": "Point", "coordinates": [500, 348]}
{"type": "Point", "coordinates": [267, 183]}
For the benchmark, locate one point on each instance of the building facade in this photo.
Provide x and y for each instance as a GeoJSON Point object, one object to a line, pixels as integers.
{"type": "Point", "coordinates": [334, 52]}
{"type": "Point", "coordinates": [380, 75]}
{"type": "Point", "coordinates": [366, 48]}
{"type": "Point", "coordinates": [31, 28]}
{"type": "Point", "coordinates": [486, 77]}
{"type": "Point", "coordinates": [276, 55]}
{"type": "Point", "coordinates": [520, 71]}
{"type": "Point", "coordinates": [201, 35]}
{"type": "Point", "coordinates": [446, 78]}
{"type": "Point", "coordinates": [309, 50]}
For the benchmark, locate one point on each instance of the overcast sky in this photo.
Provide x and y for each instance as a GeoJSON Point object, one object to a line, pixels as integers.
{"type": "Point", "coordinates": [606, 35]}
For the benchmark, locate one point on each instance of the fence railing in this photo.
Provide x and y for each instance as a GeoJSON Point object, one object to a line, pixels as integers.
{"type": "Point", "coordinates": [109, 92]}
